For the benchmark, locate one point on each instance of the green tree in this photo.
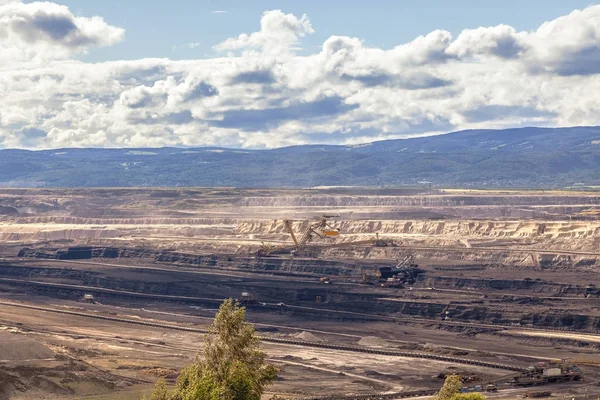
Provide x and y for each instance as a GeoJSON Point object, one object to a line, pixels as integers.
{"type": "Point", "coordinates": [232, 366]}
{"type": "Point", "coordinates": [468, 396]}
{"type": "Point", "coordinates": [160, 391]}
{"type": "Point", "coordinates": [451, 390]}
{"type": "Point", "coordinates": [451, 387]}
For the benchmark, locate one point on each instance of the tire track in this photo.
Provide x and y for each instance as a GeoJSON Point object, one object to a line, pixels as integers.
{"type": "Point", "coordinates": [293, 342]}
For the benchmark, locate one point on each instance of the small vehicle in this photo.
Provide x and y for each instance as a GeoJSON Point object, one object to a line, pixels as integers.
{"type": "Point", "coordinates": [491, 388]}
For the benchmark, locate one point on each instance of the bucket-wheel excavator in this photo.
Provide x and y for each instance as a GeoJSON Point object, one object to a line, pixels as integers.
{"type": "Point", "coordinates": [321, 229]}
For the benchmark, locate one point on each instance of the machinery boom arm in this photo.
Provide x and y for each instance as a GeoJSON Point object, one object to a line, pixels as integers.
{"type": "Point", "coordinates": [288, 225]}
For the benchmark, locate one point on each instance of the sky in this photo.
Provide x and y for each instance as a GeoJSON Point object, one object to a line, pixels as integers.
{"type": "Point", "coordinates": [264, 74]}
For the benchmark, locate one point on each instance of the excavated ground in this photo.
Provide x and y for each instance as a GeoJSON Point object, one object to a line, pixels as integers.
{"type": "Point", "coordinates": [507, 277]}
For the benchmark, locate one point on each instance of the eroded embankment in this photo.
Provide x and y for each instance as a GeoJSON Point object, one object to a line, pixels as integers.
{"type": "Point", "coordinates": [45, 228]}
{"type": "Point", "coordinates": [200, 233]}
{"type": "Point", "coordinates": [457, 228]}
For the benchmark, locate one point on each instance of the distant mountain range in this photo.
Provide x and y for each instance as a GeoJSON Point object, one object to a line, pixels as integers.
{"type": "Point", "coordinates": [519, 158]}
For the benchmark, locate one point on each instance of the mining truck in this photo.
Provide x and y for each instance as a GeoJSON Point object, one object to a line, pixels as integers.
{"type": "Point", "coordinates": [88, 298]}
{"type": "Point", "coordinates": [246, 298]}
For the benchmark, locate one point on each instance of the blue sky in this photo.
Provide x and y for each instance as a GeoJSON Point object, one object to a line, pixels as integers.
{"type": "Point", "coordinates": [154, 27]}
{"type": "Point", "coordinates": [264, 74]}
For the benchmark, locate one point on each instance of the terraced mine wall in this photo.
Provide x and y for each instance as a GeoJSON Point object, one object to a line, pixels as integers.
{"type": "Point", "coordinates": [342, 262]}
{"type": "Point", "coordinates": [351, 267]}
{"type": "Point", "coordinates": [472, 228]}
{"type": "Point", "coordinates": [303, 290]}
{"type": "Point", "coordinates": [369, 306]}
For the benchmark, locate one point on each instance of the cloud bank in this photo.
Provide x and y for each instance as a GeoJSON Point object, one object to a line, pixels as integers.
{"type": "Point", "coordinates": [260, 91]}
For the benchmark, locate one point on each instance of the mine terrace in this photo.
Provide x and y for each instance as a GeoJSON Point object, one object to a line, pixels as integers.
{"type": "Point", "coordinates": [355, 292]}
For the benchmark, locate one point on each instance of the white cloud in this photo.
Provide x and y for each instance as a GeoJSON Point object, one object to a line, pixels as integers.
{"type": "Point", "coordinates": [43, 30]}
{"type": "Point", "coordinates": [190, 46]}
{"type": "Point", "coordinates": [218, 12]}
{"type": "Point", "coordinates": [431, 48]}
{"type": "Point", "coordinates": [278, 32]}
{"type": "Point", "coordinates": [569, 45]}
{"type": "Point", "coordinates": [501, 41]}
{"type": "Point", "coordinates": [266, 95]}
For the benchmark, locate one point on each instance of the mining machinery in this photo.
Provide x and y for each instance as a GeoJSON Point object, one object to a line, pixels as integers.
{"type": "Point", "coordinates": [246, 298]}
{"type": "Point", "coordinates": [404, 267]}
{"type": "Point", "coordinates": [405, 272]}
{"type": "Point", "coordinates": [556, 371]}
{"type": "Point", "coordinates": [321, 229]}
{"type": "Point", "coordinates": [88, 298]}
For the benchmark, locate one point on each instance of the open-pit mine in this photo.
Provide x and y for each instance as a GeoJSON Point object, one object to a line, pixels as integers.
{"type": "Point", "coordinates": [356, 293]}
